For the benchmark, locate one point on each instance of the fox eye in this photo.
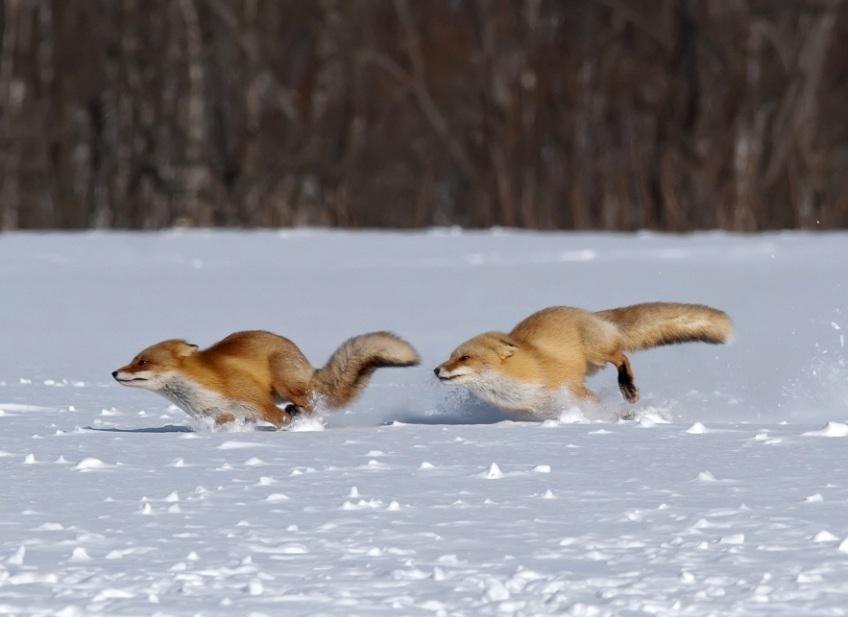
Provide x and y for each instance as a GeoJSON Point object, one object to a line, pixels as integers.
{"type": "Point", "coordinates": [464, 358]}
{"type": "Point", "coordinates": [142, 362]}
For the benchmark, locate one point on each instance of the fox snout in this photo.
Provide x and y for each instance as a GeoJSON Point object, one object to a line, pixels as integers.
{"type": "Point", "coordinates": [441, 372]}
{"type": "Point", "coordinates": [130, 376]}
{"type": "Point", "coordinates": [123, 375]}
{"type": "Point", "coordinates": [447, 373]}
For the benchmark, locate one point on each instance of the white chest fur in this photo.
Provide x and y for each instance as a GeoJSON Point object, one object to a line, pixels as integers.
{"type": "Point", "coordinates": [198, 401]}
{"type": "Point", "coordinates": [508, 393]}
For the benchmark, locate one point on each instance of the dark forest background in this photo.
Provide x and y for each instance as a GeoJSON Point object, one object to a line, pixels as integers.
{"type": "Point", "coordinates": [571, 114]}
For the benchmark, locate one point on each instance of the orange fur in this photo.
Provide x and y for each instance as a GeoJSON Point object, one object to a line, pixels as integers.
{"type": "Point", "coordinates": [559, 346]}
{"type": "Point", "coordinates": [248, 373]}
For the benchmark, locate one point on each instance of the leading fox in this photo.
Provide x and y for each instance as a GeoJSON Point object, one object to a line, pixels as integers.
{"type": "Point", "coordinates": [559, 347]}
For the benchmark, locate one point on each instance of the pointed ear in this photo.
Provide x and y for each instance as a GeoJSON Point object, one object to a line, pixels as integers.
{"type": "Point", "coordinates": [506, 347]}
{"type": "Point", "coordinates": [186, 349]}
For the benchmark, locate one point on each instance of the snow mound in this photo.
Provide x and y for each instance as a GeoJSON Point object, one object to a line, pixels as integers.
{"type": "Point", "coordinates": [307, 424]}
{"type": "Point", "coordinates": [90, 464]}
{"type": "Point", "coordinates": [241, 445]}
{"type": "Point", "coordinates": [831, 429]}
{"type": "Point", "coordinates": [697, 429]}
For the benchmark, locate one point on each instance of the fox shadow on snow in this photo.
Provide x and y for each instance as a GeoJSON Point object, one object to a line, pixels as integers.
{"type": "Point", "coordinates": [454, 409]}
{"type": "Point", "coordinates": [168, 428]}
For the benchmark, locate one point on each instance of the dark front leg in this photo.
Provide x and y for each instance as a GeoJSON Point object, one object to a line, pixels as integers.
{"type": "Point", "coordinates": [625, 380]}
{"type": "Point", "coordinates": [293, 410]}
{"type": "Point", "coordinates": [276, 416]}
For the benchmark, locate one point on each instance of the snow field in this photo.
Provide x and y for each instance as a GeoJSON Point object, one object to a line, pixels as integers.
{"type": "Point", "coordinates": [510, 518]}
{"type": "Point", "coordinates": [726, 495]}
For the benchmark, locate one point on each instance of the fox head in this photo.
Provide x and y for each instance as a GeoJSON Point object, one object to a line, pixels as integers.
{"type": "Point", "coordinates": [151, 368]}
{"type": "Point", "coordinates": [483, 352]}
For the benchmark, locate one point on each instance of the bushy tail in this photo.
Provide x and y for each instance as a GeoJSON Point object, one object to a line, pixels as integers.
{"type": "Point", "coordinates": [665, 323]}
{"type": "Point", "coordinates": [349, 368]}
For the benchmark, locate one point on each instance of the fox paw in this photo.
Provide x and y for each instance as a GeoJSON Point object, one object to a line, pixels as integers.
{"type": "Point", "coordinates": [629, 391]}
{"type": "Point", "coordinates": [293, 410]}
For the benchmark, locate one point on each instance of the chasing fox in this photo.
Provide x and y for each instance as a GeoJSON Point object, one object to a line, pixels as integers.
{"type": "Point", "coordinates": [246, 374]}
{"type": "Point", "coordinates": [559, 346]}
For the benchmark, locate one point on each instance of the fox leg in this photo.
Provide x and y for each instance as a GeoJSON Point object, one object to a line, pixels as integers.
{"type": "Point", "coordinates": [298, 402]}
{"type": "Point", "coordinates": [276, 416]}
{"type": "Point", "coordinates": [291, 379]}
{"type": "Point", "coordinates": [224, 418]}
{"type": "Point", "coordinates": [294, 410]}
{"type": "Point", "coordinates": [580, 391]}
{"type": "Point", "coordinates": [625, 378]}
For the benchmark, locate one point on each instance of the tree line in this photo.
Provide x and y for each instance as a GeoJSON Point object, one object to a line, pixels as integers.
{"type": "Point", "coordinates": [552, 114]}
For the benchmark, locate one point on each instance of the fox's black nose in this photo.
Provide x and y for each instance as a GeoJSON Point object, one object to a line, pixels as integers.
{"type": "Point", "coordinates": [436, 370]}
{"type": "Point", "coordinates": [115, 374]}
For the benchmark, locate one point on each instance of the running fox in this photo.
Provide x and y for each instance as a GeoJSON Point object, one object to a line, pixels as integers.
{"type": "Point", "coordinates": [559, 346]}
{"type": "Point", "coordinates": [246, 374]}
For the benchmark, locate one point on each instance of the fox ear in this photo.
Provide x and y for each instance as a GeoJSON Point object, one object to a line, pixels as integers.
{"type": "Point", "coordinates": [506, 347]}
{"type": "Point", "coordinates": [186, 349]}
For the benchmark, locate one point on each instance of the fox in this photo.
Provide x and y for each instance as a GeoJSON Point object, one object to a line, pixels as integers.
{"type": "Point", "coordinates": [559, 346]}
{"type": "Point", "coordinates": [247, 374]}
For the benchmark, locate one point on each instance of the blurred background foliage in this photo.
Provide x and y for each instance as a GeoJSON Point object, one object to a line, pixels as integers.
{"type": "Point", "coordinates": [552, 114]}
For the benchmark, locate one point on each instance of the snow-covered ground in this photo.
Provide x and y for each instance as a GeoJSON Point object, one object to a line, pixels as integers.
{"type": "Point", "coordinates": [728, 495]}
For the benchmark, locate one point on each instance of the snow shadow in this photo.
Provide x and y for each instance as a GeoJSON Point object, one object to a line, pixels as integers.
{"type": "Point", "coordinates": [169, 428]}
{"type": "Point", "coordinates": [454, 408]}
{"type": "Point", "coordinates": [462, 408]}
